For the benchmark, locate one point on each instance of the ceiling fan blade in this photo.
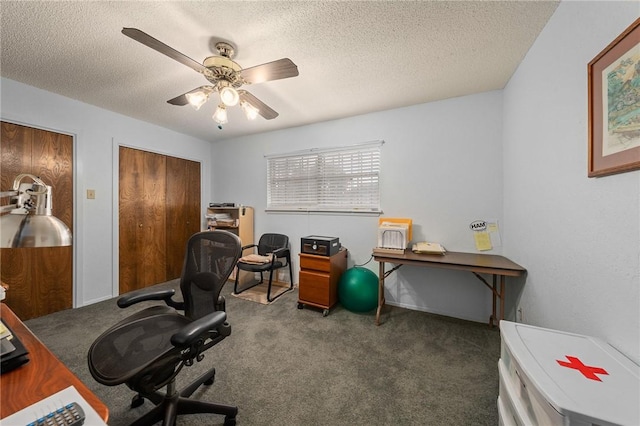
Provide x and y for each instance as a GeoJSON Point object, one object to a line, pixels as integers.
{"type": "Point", "coordinates": [263, 109]}
{"type": "Point", "coordinates": [156, 44]}
{"type": "Point", "coordinates": [182, 99]}
{"type": "Point", "coordinates": [276, 70]}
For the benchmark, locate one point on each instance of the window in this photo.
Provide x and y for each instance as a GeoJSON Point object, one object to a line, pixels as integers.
{"type": "Point", "coordinates": [332, 180]}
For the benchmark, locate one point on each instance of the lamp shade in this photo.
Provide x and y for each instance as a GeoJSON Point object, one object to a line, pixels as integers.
{"type": "Point", "coordinates": [29, 222]}
{"type": "Point", "coordinates": [250, 111]}
{"type": "Point", "coordinates": [197, 99]}
{"type": "Point", "coordinates": [220, 116]}
{"type": "Point", "coordinates": [32, 230]}
{"type": "Point", "coordinates": [229, 96]}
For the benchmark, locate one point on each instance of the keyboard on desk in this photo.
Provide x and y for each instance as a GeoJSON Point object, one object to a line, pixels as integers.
{"type": "Point", "coordinates": [70, 414]}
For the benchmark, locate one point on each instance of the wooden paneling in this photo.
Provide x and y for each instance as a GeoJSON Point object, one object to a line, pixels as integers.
{"type": "Point", "coordinates": [142, 219]}
{"type": "Point", "coordinates": [40, 279]}
{"type": "Point", "coordinates": [159, 210]}
{"type": "Point", "coordinates": [153, 244]}
{"type": "Point", "coordinates": [16, 153]}
{"type": "Point", "coordinates": [52, 160]}
{"type": "Point", "coordinates": [183, 210]}
{"type": "Point", "coordinates": [131, 212]}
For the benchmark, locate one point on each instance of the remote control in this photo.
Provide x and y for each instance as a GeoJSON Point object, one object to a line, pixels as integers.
{"type": "Point", "coordinates": [71, 414]}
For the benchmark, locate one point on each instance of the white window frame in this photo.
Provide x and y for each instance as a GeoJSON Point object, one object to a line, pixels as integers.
{"type": "Point", "coordinates": [339, 180]}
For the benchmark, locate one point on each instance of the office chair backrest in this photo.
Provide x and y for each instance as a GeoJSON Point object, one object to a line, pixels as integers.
{"type": "Point", "coordinates": [270, 242]}
{"type": "Point", "coordinates": [211, 257]}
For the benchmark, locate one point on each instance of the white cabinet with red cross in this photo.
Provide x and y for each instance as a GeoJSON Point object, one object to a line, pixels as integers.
{"type": "Point", "coordinates": [550, 377]}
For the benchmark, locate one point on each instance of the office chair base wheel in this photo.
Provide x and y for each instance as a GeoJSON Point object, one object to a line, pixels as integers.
{"type": "Point", "coordinates": [229, 421]}
{"type": "Point", "coordinates": [137, 401]}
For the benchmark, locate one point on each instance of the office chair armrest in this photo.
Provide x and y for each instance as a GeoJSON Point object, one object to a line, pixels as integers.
{"type": "Point", "coordinates": [143, 295]}
{"type": "Point", "coordinates": [191, 332]}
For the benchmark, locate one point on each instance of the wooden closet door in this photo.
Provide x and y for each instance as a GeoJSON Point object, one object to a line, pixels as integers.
{"type": "Point", "coordinates": [131, 216]}
{"type": "Point", "coordinates": [183, 210]}
{"type": "Point", "coordinates": [40, 279]}
{"type": "Point", "coordinates": [142, 229]}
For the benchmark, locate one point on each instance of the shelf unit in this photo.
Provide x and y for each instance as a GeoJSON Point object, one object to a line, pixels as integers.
{"type": "Point", "coordinates": [238, 220]}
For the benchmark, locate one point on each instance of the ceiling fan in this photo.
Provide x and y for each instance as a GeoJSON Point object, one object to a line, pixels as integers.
{"type": "Point", "coordinates": [226, 78]}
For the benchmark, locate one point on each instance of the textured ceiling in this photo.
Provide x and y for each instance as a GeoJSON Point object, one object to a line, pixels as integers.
{"type": "Point", "coordinates": [353, 57]}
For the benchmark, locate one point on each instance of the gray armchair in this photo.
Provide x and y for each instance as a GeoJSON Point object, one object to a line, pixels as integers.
{"type": "Point", "coordinates": [275, 253]}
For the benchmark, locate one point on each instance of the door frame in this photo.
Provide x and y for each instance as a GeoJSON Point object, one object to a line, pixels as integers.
{"type": "Point", "coordinates": [77, 293]}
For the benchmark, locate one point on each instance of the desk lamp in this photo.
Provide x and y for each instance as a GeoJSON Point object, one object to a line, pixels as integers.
{"type": "Point", "coordinates": [27, 220]}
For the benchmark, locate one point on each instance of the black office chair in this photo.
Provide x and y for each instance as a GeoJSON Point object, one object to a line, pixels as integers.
{"type": "Point", "coordinates": [148, 349]}
{"type": "Point", "coordinates": [273, 253]}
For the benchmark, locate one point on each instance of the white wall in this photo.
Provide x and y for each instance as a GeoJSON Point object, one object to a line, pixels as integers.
{"type": "Point", "coordinates": [97, 135]}
{"type": "Point", "coordinates": [578, 237]}
{"type": "Point", "coordinates": [441, 166]}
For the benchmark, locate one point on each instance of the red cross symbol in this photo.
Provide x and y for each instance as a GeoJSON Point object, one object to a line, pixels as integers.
{"type": "Point", "coordinates": [587, 371]}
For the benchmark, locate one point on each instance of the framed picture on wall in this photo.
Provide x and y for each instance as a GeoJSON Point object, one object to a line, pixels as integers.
{"type": "Point", "coordinates": [614, 106]}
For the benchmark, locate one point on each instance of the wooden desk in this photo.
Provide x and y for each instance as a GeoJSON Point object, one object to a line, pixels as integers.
{"type": "Point", "coordinates": [497, 266]}
{"type": "Point", "coordinates": [42, 376]}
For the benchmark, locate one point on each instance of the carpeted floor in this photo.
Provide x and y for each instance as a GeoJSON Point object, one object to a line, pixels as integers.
{"type": "Point", "coordinates": [258, 293]}
{"type": "Point", "coordinates": [286, 366]}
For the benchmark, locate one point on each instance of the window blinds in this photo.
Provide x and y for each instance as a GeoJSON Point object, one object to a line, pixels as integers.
{"type": "Point", "coordinates": [338, 180]}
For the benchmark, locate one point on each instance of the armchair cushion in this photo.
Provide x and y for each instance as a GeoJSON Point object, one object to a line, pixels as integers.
{"type": "Point", "coordinates": [255, 258]}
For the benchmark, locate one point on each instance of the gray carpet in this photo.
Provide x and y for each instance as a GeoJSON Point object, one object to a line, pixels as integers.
{"type": "Point", "coordinates": [285, 366]}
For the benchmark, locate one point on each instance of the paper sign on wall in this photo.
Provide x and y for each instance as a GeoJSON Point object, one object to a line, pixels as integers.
{"type": "Point", "coordinates": [486, 234]}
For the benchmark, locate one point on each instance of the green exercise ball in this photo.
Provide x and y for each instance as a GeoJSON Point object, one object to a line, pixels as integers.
{"type": "Point", "coordinates": [358, 289]}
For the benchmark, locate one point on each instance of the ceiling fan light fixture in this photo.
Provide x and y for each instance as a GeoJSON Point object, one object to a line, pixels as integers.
{"type": "Point", "coordinates": [197, 99]}
{"type": "Point", "coordinates": [229, 96]}
{"type": "Point", "coordinates": [220, 116]}
{"type": "Point", "coordinates": [249, 110]}
{"type": "Point", "coordinates": [225, 76]}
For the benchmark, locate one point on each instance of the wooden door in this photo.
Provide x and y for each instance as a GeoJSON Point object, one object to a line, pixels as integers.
{"type": "Point", "coordinates": [142, 219]}
{"type": "Point", "coordinates": [159, 210]}
{"type": "Point", "coordinates": [40, 279]}
{"type": "Point", "coordinates": [183, 210]}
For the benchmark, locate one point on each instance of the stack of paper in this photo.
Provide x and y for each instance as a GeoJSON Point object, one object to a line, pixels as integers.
{"type": "Point", "coordinates": [5, 340]}
{"type": "Point", "coordinates": [428, 248]}
{"type": "Point", "coordinates": [221, 219]}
